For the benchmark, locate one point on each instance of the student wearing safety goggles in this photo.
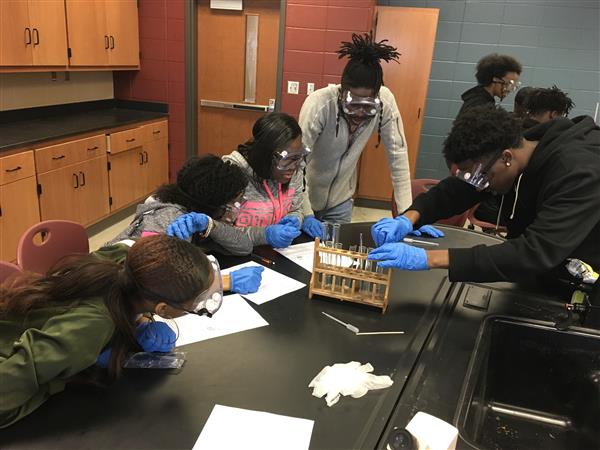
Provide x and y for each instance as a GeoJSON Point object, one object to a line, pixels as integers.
{"type": "Point", "coordinates": [549, 178]}
{"type": "Point", "coordinates": [337, 122]}
{"type": "Point", "coordinates": [54, 327]}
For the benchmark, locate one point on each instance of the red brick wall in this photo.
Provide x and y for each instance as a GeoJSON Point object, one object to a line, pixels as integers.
{"type": "Point", "coordinates": [313, 32]}
{"type": "Point", "coordinates": [161, 76]}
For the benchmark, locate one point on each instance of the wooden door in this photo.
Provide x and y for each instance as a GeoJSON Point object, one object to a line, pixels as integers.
{"type": "Point", "coordinates": [126, 177]}
{"type": "Point", "coordinates": [88, 37]}
{"type": "Point", "coordinates": [93, 190]}
{"type": "Point", "coordinates": [16, 41]}
{"type": "Point", "coordinates": [156, 164]}
{"type": "Point", "coordinates": [58, 196]}
{"type": "Point", "coordinates": [18, 211]}
{"type": "Point", "coordinates": [222, 71]}
{"type": "Point", "coordinates": [122, 26]}
{"type": "Point", "coordinates": [412, 30]}
{"type": "Point", "coordinates": [47, 18]}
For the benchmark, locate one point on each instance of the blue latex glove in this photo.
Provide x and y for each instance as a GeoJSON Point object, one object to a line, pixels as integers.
{"type": "Point", "coordinates": [103, 358]}
{"type": "Point", "coordinates": [313, 227]}
{"type": "Point", "coordinates": [281, 236]}
{"type": "Point", "coordinates": [427, 230]}
{"type": "Point", "coordinates": [187, 224]}
{"type": "Point", "coordinates": [400, 256]}
{"type": "Point", "coordinates": [291, 221]}
{"type": "Point", "coordinates": [246, 280]}
{"type": "Point", "coordinates": [155, 337]}
{"type": "Point", "coordinates": [391, 230]}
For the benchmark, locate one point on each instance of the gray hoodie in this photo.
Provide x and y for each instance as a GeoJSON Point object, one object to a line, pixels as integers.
{"type": "Point", "coordinates": [331, 171]}
{"type": "Point", "coordinates": [155, 216]}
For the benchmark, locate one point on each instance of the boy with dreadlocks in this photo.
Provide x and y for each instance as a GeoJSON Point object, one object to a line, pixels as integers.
{"type": "Point", "coordinates": [337, 121]}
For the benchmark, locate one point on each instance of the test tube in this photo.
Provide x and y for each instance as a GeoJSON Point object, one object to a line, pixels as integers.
{"type": "Point", "coordinates": [339, 262]}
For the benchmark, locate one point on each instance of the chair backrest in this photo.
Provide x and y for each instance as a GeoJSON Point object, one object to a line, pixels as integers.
{"type": "Point", "coordinates": [421, 185]}
{"type": "Point", "coordinates": [7, 269]}
{"type": "Point", "coordinates": [486, 227]}
{"type": "Point", "coordinates": [60, 238]}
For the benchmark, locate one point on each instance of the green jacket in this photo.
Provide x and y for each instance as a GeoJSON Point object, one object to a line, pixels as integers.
{"type": "Point", "coordinates": [41, 350]}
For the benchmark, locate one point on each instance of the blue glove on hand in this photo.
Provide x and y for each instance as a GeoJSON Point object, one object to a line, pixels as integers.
{"type": "Point", "coordinates": [155, 337]}
{"type": "Point", "coordinates": [246, 280]}
{"type": "Point", "coordinates": [103, 358]}
{"type": "Point", "coordinates": [281, 236]}
{"type": "Point", "coordinates": [391, 230]}
{"type": "Point", "coordinates": [313, 227]}
{"type": "Point", "coordinates": [427, 230]}
{"type": "Point", "coordinates": [291, 221]}
{"type": "Point", "coordinates": [184, 226]}
{"type": "Point", "coordinates": [400, 256]}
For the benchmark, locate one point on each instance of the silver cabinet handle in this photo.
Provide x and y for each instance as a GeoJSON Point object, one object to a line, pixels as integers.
{"type": "Point", "coordinates": [230, 105]}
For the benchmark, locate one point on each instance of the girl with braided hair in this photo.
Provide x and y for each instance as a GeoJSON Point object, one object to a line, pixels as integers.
{"type": "Point", "coordinates": [337, 122]}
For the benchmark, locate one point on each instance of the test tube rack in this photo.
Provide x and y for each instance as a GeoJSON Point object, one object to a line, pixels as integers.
{"type": "Point", "coordinates": [344, 281]}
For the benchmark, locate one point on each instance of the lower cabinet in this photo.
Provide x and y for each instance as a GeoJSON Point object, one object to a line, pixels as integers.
{"type": "Point", "coordinates": [157, 164]}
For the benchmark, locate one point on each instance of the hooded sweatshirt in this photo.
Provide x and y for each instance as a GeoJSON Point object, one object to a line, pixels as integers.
{"type": "Point", "coordinates": [476, 96]}
{"type": "Point", "coordinates": [331, 171]}
{"type": "Point", "coordinates": [553, 212]}
{"type": "Point", "coordinates": [267, 201]}
{"type": "Point", "coordinates": [155, 216]}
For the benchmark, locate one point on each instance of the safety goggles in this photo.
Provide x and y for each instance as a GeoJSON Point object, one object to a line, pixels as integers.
{"type": "Point", "coordinates": [290, 159]}
{"type": "Point", "coordinates": [508, 85]}
{"type": "Point", "coordinates": [231, 211]}
{"type": "Point", "coordinates": [209, 301]}
{"type": "Point", "coordinates": [478, 175]}
{"type": "Point", "coordinates": [353, 104]}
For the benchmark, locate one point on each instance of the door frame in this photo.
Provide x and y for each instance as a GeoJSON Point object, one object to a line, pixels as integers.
{"type": "Point", "coordinates": [191, 71]}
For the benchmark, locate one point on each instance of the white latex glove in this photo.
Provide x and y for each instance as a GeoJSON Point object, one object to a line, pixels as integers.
{"type": "Point", "coordinates": [351, 379]}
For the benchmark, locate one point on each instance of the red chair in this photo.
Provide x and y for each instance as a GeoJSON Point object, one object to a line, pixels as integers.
{"type": "Point", "coordinates": [7, 270]}
{"type": "Point", "coordinates": [59, 238]}
{"type": "Point", "coordinates": [486, 227]}
{"type": "Point", "coordinates": [422, 185]}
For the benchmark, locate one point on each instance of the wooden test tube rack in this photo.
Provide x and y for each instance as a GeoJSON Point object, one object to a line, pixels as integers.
{"type": "Point", "coordinates": [348, 283]}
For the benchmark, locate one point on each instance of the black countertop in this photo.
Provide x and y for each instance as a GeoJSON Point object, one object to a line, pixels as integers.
{"type": "Point", "coordinates": [63, 122]}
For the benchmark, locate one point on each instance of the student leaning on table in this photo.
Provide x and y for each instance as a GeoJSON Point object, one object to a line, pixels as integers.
{"type": "Point", "coordinates": [56, 328]}
{"type": "Point", "coordinates": [550, 181]}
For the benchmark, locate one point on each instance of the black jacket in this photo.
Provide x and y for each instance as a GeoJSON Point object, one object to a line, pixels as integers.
{"type": "Point", "coordinates": [476, 96]}
{"type": "Point", "coordinates": [556, 208]}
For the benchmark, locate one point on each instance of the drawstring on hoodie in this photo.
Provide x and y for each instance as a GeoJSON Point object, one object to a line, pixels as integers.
{"type": "Point", "coordinates": [512, 214]}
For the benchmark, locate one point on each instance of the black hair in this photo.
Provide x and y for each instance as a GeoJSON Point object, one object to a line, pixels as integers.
{"type": "Point", "coordinates": [548, 99]}
{"type": "Point", "coordinates": [270, 133]}
{"type": "Point", "coordinates": [363, 70]}
{"type": "Point", "coordinates": [520, 110]}
{"type": "Point", "coordinates": [205, 184]}
{"type": "Point", "coordinates": [495, 66]}
{"type": "Point", "coordinates": [482, 131]}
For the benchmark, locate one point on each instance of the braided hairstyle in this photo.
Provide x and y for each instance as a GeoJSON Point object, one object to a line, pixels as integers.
{"type": "Point", "coordinates": [363, 70]}
{"type": "Point", "coordinates": [548, 99]}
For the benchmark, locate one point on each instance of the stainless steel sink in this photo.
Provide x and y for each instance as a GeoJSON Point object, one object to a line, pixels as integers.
{"type": "Point", "coordinates": [530, 386]}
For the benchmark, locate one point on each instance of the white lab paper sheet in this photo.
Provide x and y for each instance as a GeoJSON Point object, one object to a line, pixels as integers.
{"type": "Point", "coordinates": [234, 315]}
{"type": "Point", "coordinates": [230, 428]}
{"type": "Point", "coordinates": [301, 254]}
{"type": "Point", "coordinates": [273, 284]}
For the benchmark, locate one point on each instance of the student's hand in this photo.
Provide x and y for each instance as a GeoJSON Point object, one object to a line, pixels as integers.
{"type": "Point", "coordinates": [291, 221]}
{"type": "Point", "coordinates": [104, 358]}
{"type": "Point", "coordinates": [187, 224]}
{"type": "Point", "coordinates": [281, 236]}
{"type": "Point", "coordinates": [155, 337]}
{"type": "Point", "coordinates": [427, 230]}
{"type": "Point", "coordinates": [246, 280]}
{"type": "Point", "coordinates": [391, 230]}
{"type": "Point", "coordinates": [400, 256]}
{"type": "Point", "coordinates": [313, 227]}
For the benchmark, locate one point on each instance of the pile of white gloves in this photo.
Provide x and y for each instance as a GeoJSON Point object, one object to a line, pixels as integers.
{"type": "Point", "coordinates": [347, 379]}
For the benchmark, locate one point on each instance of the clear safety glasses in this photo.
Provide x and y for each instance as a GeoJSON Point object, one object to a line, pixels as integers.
{"type": "Point", "coordinates": [353, 105]}
{"type": "Point", "coordinates": [232, 210]}
{"type": "Point", "coordinates": [290, 159]}
{"type": "Point", "coordinates": [478, 175]}
{"type": "Point", "coordinates": [508, 85]}
{"type": "Point", "coordinates": [209, 301]}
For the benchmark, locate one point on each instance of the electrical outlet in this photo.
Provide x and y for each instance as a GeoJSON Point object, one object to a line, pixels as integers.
{"type": "Point", "coordinates": [293, 87]}
{"type": "Point", "coordinates": [310, 88]}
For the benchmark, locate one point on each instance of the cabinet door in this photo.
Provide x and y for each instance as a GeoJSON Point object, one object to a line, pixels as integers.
{"type": "Point", "coordinates": [18, 211]}
{"type": "Point", "coordinates": [47, 17]}
{"type": "Point", "coordinates": [156, 164]}
{"type": "Point", "coordinates": [93, 190]}
{"type": "Point", "coordinates": [16, 40]}
{"type": "Point", "coordinates": [86, 28]}
{"type": "Point", "coordinates": [122, 25]}
{"type": "Point", "coordinates": [126, 177]}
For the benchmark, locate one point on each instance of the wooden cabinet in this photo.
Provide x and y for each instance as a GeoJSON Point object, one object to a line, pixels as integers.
{"type": "Point", "coordinates": [122, 29]}
{"type": "Point", "coordinates": [126, 177]}
{"type": "Point", "coordinates": [18, 201]}
{"type": "Point", "coordinates": [33, 33]}
{"type": "Point", "coordinates": [156, 164]}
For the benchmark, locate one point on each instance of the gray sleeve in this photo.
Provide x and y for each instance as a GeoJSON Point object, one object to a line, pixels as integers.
{"type": "Point", "coordinates": [312, 122]}
{"type": "Point", "coordinates": [237, 240]}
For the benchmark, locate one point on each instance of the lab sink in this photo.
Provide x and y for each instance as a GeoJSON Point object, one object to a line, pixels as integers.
{"type": "Point", "coordinates": [530, 386]}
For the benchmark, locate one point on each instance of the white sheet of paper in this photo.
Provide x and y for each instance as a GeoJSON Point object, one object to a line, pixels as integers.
{"type": "Point", "coordinates": [230, 428]}
{"type": "Point", "coordinates": [234, 315]}
{"type": "Point", "coordinates": [301, 254]}
{"type": "Point", "coordinates": [272, 285]}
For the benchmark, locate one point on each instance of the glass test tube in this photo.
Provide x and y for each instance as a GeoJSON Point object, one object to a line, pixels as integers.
{"type": "Point", "coordinates": [353, 265]}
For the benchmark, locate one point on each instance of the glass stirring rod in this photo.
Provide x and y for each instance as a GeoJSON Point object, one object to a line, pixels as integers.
{"type": "Point", "coordinates": [347, 325]}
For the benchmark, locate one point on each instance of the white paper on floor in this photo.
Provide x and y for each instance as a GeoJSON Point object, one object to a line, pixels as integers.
{"type": "Point", "coordinates": [273, 284]}
{"type": "Point", "coordinates": [235, 315]}
{"type": "Point", "coordinates": [228, 428]}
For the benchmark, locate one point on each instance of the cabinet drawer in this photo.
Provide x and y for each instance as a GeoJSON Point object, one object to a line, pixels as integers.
{"type": "Point", "coordinates": [61, 155]}
{"type": "Point", "coordinates": [155, 131]}
{"type": "Point", "coordinates": [125, 140]}
{"type": "Point", "coordinates": [16, 167]}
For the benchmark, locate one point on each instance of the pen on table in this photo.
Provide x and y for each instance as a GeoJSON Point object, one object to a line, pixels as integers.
{"type": "Point", "coordinates": [263, 259]}
{"type": "Point", "coordinates": [418, 241]}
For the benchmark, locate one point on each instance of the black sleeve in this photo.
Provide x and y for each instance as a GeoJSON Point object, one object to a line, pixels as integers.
{"type": "Point", "coordinates": [448, 198]}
